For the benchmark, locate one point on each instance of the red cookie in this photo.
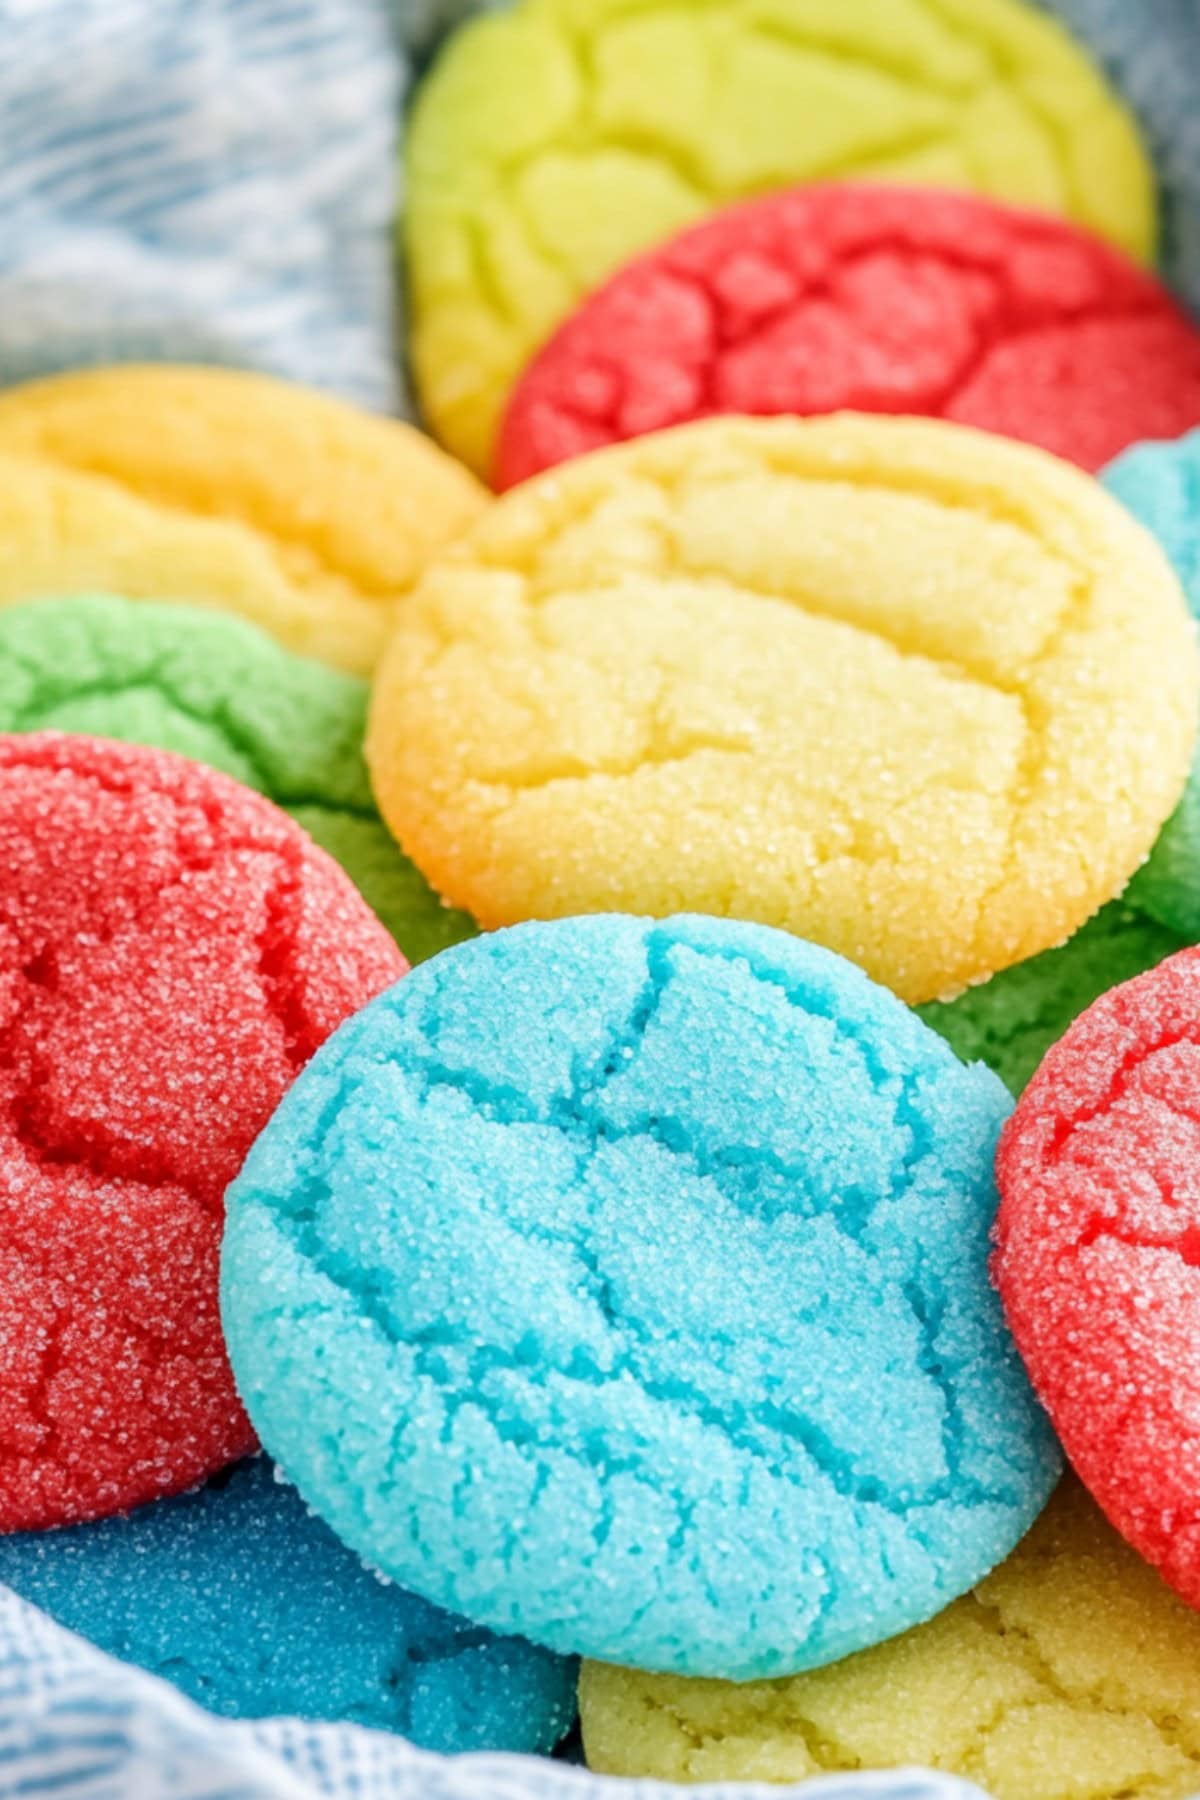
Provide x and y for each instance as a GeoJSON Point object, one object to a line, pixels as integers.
{"type": "Point", "coordinates": [172, 950]}
{"type": "Point", "coordinates": [880, 299]}
{"type": "Point", "coordinates": [1098, 1255]}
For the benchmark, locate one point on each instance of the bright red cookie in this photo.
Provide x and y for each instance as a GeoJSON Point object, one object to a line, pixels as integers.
{"type": "Point", "coordinates": [879, 299]}
{"type": "Point", "coordinates": [172, 950]}
{"type": "Point", "coordinates": [1098, 1255]}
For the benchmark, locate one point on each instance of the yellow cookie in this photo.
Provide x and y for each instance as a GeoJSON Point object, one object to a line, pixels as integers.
{"type": "Point", "coordinates": [1071, 1673]}
{"type": "Point", "coordinates": [238, 491]}
{"type": "Point", "coordinates": [920, 694]}
{"type": "Point", "coordinates": [553, 142]}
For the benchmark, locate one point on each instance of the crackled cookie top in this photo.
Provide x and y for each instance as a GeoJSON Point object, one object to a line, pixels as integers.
{"type": "Point", "coordinates": [886, 299]}
{"type": "Point", "coordinates": [215, 688]}
{"type": "Point", "coordinates": [556, 140]}
{"type": "Point", "coordinates": [1098, 1248]}
{"type": "Point", "coordinates": [172, 950]}
{"type": "Point", "coordinates": [624, 1285]}
{"type": "Point", "coordinates": [1072, 1670]}
{"type": "Point", "coordinates": [226, 490]}
{"type": "Point", "coordinates": [919, 694]}
{"type": "Point", "coordinates": [280, 1618]}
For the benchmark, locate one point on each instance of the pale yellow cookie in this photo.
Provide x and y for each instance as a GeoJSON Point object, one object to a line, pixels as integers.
{"type": "Point", "coordinates": [298, 511]}
{"type": "Point", "coordinates": [920, 694]}
{"type": "Point", "coordinates": [1071, 1673]}
{"type": "Point", "coordinates": [558, 138]}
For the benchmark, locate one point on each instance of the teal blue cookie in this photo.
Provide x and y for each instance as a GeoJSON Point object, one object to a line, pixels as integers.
{"type": "Point", "coordinates": [243, 1599]}
{"type": "Point", "coordinates": [624, 1285]}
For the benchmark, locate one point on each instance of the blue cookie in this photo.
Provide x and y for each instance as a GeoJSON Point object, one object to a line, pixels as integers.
{"type": "Point", "coordinates": [248, 1603]}
{"type": "Point", "coordinates": [624, 1284]}
{"type": "Point", "coordinates": [1160, 484]}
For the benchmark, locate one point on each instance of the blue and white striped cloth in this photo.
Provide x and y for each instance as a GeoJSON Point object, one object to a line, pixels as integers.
{"type": "Point", "coordinates": [203, 180]}
{"type": "Point", "coordinates": [76, 1725]}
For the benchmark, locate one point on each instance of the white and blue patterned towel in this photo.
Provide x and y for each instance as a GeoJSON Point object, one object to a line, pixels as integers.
{"type": "Point", "coordinates": [203, 180]}
{"type": "Point", "coordinates": [76, 1725]}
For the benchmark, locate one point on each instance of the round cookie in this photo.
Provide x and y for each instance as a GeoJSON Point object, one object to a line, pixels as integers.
{"type": "Point", "coordinates": [879, 681]}
{"type": "Point", "coordinates": [172, 950]}
{"type": "Point", "coordinates": [1097, 1237]}
{"type": "Point", "coordinates": [280, 1618]}
{"type": "Point", "coordinates": [1160, 484]}
{"type": "Point", "coordinates": [1072, 1670]}
{"type": "Point", "coordinates": [1011, 1021]}
{"type": "Point", "coordinates": [225, 490]}
{"type": "Point", "coordinates": [554, 141]}
{"type": "Point", "coordinates": [884, 299]}
{"type": "Point", "coordinates": [602, 1258]}
{"type": "Point", "coordinates": [212, 687]}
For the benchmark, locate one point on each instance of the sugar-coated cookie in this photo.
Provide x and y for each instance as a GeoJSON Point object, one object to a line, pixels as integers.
{"type": "Point", "coordinates": [172, 949]}
{"type": "Point", "coordinates": [624, 1285]}
{"type": "Point", "coordinates": [245, 1600]}
{"type": "Point", "coordinates": [1071, 1673]}
{"type": "Point", "coordinates": [211, 686]}
{"type": "Point", "coordinates": [1098, 1242]}
{"type": "Point", "coordinates": [1160, 484]}
{"type": "Point", "coordinates": [879, 681]}
{"type": "Point", "coordinates": [886, 299]}
{"type": "Point", "coordinates": [552, 142]}
{"type": "Point", "coordinates": [227, 490]}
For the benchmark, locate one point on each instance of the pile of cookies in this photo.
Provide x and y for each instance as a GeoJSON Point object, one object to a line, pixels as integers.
{"type": "Point", "coordinates": [782, 1156]}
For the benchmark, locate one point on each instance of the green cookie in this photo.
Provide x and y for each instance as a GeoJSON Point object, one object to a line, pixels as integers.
{"type": "Point", "coordinates": [1012, 1020]}
{"type": "Point", "coordinates": [214, 688]}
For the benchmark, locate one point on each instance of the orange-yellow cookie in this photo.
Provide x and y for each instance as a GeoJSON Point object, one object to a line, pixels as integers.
{"type": "Point", "coordinates": [557, 139]}
{"type": "Point", "coordinates": [920, 694]}
{"type": "Point", "coordinates": [1071, 1673]}
{"type": "Point", "coordinates": [302, 513]}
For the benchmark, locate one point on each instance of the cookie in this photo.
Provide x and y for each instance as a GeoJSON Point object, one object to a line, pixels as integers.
{"type": "Point", "coordinates": [1011, 1021]}
{"type": "Point", "coordinates": [224, 490]}
{"type": "Point", "coordinates": [601, 1258]}
{"type": "Point", "coordinates": [884, 299]}
{"type": "Point", "coordinates": [1160, 484]}
{"type": "Point", "coordinates": [172, 949]}
{"type": "Point", "coordinates": [554, 141]}
{"type": "Point", "coordinates": [1097, 1237]}
{"type": "Point", "coordinates": [880, 682]}
{"type": "Point", "coordinates": [215, 688]}
{"type": "Point", "coordinates": [1072, 1670]}
{"type": "Point", "coordinates": [282, 1618]}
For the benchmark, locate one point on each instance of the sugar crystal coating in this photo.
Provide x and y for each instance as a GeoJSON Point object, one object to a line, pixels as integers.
{"type": "Point", "coordinates": [215, 688]}
{"type": "Point", "coordinates": [624, 1285]}
{"type": "Point", "coordinates": [172, 950]}
{"type": "Point", "coordinates": [556, 139]}
{"type": "Point", "coordinates": [883, 299]}
{"type": "Point", "coordinates": [1097, 1256]}
{"type": "Point", "coordinates": [279, 1617]}
{"type": "Point", "coordinates": [226, 490]}
{"type": "Point", "coordinates": [881, 682]}
{"type": "Point", "coordinates": [1071, 1673]}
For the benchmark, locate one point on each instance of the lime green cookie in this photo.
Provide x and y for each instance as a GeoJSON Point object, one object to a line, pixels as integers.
{"type": "Point", "coordinates": [555, 140]}
{"type": "Point", "coordinates": [1071, 1673]}
{"type": "Point", "coordinates": [216, 689]}
{"type": "Point", "coordinates": [1012, 1020]}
